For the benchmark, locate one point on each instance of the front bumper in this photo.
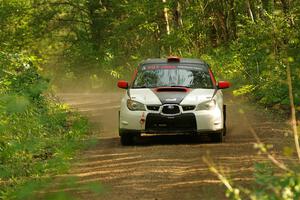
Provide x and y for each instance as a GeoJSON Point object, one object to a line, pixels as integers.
{"type": "Point", "coordinates": [157, 123]}
{"type": "Point", "coordinates": [185, 122]}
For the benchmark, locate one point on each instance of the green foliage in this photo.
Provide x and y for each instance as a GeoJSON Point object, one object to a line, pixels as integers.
{"type": "Point", "coordinates": [284, 187]}
{"type": "Point", "coordinates": [246, 89]}
{"type": "Point", "coordinates": [97, 42]}
{"type": "Point", "coordinates": [258, 58]}
{"type": "Point", "coordinates": [269, 185]}
{"type": "Point", "coordinates": [38, 136]}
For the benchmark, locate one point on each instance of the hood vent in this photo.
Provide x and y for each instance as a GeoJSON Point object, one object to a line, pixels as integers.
{"type": "Point", "coordinates": [171, 95]}
{"type": "Point", "coordinates": [171, 89]}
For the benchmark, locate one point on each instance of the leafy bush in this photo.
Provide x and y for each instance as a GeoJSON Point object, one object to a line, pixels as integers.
{"type": "Point", "coordinates": [38, 135]}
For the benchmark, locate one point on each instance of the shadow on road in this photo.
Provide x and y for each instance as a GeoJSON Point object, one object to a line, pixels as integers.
{"type": "Point", "coordinates": [164, 166]}
{"type": "Point", "coordinates": [172, 140]}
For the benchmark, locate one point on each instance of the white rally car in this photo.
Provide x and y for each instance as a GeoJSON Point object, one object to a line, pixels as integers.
{"type": "Point", "coordinates": [173, 95]}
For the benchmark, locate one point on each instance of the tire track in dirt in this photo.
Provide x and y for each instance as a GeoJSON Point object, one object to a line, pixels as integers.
{"type": "Point", "coordinates": [165, 167]}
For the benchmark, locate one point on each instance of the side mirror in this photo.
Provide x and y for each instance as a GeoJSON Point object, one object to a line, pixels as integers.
{"type": "Point", "coordinates": [223, 84]}
{"type": "Point", "coordinates": [123, 84]}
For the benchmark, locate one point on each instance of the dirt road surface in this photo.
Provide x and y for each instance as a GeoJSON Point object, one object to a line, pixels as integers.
{"type": "Point", "coordinates": [167, 167]}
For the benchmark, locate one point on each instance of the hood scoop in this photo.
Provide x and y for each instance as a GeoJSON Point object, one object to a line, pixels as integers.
{"type": "Point", "coordinates": [171, 89]}
{"type": "Point", "coordinates": [171, 95]}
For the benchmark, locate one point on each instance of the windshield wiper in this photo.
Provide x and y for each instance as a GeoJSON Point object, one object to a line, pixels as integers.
{"type": "Point", "coordinates": [136, 87]}
{"type": "Point", "coordinates": [179, 86]}
{"type": "Point", "coordinates": [143, 86]}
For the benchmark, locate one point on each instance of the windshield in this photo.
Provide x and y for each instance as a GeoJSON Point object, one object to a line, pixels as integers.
{"type": "Point", "coordinates": [173, 76]}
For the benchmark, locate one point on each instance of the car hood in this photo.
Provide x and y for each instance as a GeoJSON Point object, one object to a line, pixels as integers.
{"type": "Point", "coordinates": [152, 97]}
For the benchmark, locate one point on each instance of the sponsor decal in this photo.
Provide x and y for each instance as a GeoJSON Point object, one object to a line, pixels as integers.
{"type": "Point", "coordinates": [155, 67]}
{"type": "Point", "coordinates": [142, 121]}
{"type": "Point", "coordinates": [171, 100]}
{"type": "Point", "coordinates": [199, 67]}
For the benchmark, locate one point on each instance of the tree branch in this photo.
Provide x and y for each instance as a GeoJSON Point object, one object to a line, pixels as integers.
{"type": "Point", "coordinates": [73, 20]}
{"type": "Point", "coordinates": [69, 3]}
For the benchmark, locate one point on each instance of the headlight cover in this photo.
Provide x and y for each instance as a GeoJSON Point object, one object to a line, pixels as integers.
{"type": "Point", "coordinates": [135, 106]}
{"type": "Point", "coordinates": [207, 105]}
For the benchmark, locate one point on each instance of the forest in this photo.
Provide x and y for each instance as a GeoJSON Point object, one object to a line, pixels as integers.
{"type": "Point", "coordinates": [48, 46]}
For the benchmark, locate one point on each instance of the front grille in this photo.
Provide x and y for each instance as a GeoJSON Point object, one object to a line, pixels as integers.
{"type": "Point", "coordinates": [155, 108]}
{"type": "Point", "coordinates": [170, 109]}
{"type": "Point", "coordinates": [182, 123]}
{"type": "Point", "coordinates": [187, 108]}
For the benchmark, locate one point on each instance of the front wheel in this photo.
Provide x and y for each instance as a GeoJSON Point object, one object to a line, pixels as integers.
{"type": "Point", "coordinates": [218, 137]}
{"type": "Point", "coordinates": [128, 137]}
{"type": "Point", "coordinates": [127, 140]}
{"type": "Point", "coordinates": [224, 121]}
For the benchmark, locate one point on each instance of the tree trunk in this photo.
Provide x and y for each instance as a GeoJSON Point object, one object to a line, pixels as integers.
{"type": "Point", "coordinates": [285, 5]}
{"type": "Point", "coordinates": [293, 111]}
{"type": "Point", "coordinates": [166, 17]}
{"type": "Point", "coordinates": [250, 11]}
{"type": "Point", "coordinates": [266, 5]}
{"type": "Point", "coordinates": [178, 16]}
{"type": "Point", "coordinates": [233, 27]}
{"type": "Point", "coordinates": [92, 6]}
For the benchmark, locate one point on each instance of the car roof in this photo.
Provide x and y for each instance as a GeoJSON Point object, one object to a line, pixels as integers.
{"type": "Point", "coordinates": [181, 61]}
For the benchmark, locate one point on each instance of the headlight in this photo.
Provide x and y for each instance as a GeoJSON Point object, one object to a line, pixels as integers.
{"type": "Point", "coordinates": [134, 105]}
{"type": "Point", "coordinates": [207, 105]}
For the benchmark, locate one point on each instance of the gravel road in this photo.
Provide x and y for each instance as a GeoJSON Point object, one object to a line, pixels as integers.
{"type": "Point", "coordinates": [166, 167]}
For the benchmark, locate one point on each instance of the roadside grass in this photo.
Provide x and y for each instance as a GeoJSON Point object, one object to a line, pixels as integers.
{"type": "Point", "coordinates": [38, 144]}
{"type": "Point", "coordinates": [279, 176]}
{"type": "Point", "coordinates": [39, 136]}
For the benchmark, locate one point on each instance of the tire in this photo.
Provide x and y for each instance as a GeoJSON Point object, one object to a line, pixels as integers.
{"type": "Point", "coordinates": [224, 129]}
{"type": "Point", "coordinates": [218, 137]}
{"type": "Point", "coordinates": [127, 139]}
{"type": "Point", "coordinates": [224, 125]}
